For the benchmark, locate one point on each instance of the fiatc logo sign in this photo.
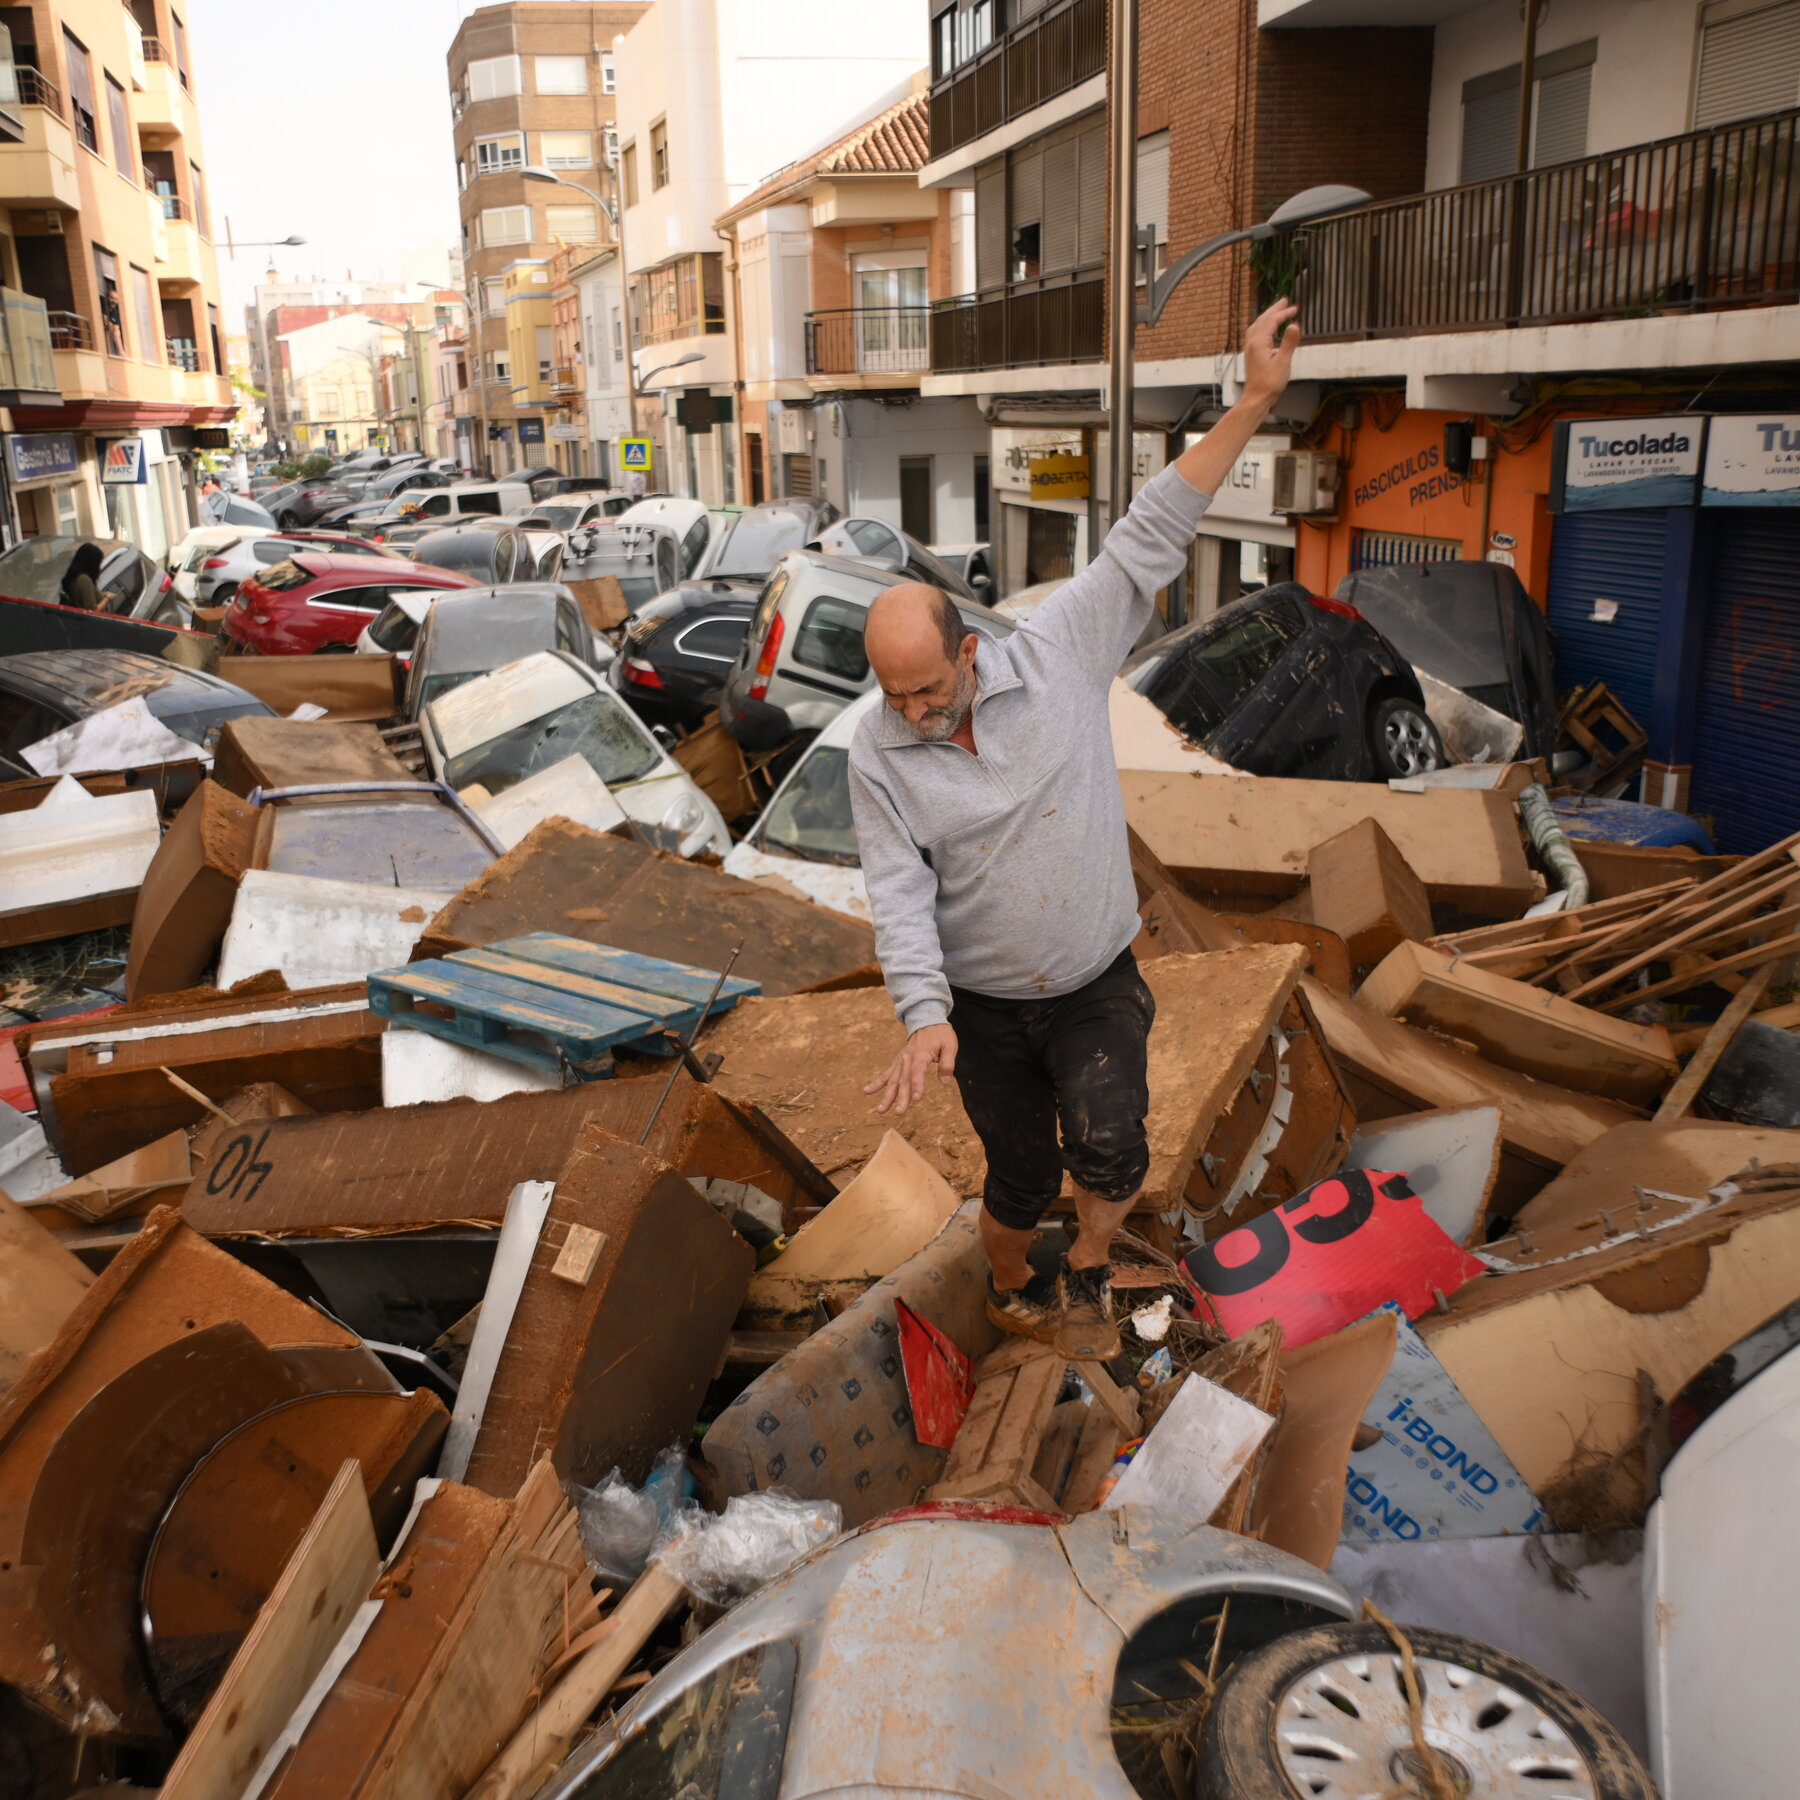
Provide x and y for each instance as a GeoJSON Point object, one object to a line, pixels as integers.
{"type": "Point", "coordinates": [122, 463]}
{"type": "Point", "coordinates": [1608, 465]}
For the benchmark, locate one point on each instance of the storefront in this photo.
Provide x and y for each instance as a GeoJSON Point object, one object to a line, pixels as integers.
{"type": "Point", "coordinates": [142, 484]}
{"type": "Point", "coordinates": [1430, 487]}
{"type": "Point", "coordinates": [1675, 579]}
{"type": "Point", "coordinates": [1052, 485]}
{"type": "Point", "coordinates": [51, 493]}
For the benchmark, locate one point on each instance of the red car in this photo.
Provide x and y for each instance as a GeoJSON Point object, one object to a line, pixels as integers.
{"type": "Point", "coordinates": [317, 601]}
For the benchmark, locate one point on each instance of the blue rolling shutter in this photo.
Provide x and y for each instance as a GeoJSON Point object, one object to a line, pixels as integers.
{"type": "Point", "coordinates": [1747, 732]}
{"type": "Point", "coordinates": [1615, 556]}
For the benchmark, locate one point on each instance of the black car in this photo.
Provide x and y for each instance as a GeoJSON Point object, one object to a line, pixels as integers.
{"type": "Point", "coordinates": [311, 500]}
{"type": "Point", "coordinates": [1470, 624]}
{"type": "Point", "coordinates": [679, 648]}
{"type": "Point", "coordinates": [486, 551]}
{"type": "Point", "coordinates": [44, 691]}
{"type": "Point", "coordinates": [1286, 682]}
{"type": "Point", "coordinates": [475, 632]}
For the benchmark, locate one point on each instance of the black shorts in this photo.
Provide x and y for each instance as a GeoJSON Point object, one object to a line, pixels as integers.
{"type": "Point", "coordinates": [1076, 1062]}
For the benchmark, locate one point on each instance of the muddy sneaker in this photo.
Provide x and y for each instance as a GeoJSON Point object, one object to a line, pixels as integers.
{"type": "Point", "coordinates": [1087, 1332]}
{"type": "Point", "coordinates": [1029, 1311]}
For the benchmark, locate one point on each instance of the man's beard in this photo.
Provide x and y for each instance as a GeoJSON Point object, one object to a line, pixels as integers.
{"type": "Point", "coordinates": [943, 722]}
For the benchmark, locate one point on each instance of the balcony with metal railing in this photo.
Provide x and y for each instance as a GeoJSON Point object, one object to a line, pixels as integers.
{"type": "Point", "coordinates": [184, 354]}
{"type": "Point", "coordinates": [39, 90]}
{"type": "Point", "coordinates": [1701, 222]}
{"type": "Point", "coordinates": [873, 341]}
{"type": "Point", "coordinates": [69, 331]}
{"type": "Point", "coordinates": [1049, 323]}
{"type": "Point", "coordinates": [1056, 49]}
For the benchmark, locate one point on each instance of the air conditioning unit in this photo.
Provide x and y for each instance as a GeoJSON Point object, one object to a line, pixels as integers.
{"type": "Point", "coordinates": [1306, 482]}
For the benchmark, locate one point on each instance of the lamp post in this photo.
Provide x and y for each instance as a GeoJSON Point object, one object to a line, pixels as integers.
{"type": "Point", "coordinates": [234, 245]}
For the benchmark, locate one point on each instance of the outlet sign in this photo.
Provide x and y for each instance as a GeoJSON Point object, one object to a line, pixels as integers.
{"type": "Point", "coordinates": [1752, 459]}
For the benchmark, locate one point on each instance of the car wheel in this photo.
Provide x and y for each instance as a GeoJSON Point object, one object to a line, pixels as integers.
{"type": "Point", "coordinates": [1403, 740]}
{"type": "Point", "coordinates": [1324, 1713]}
{"type": "Point", "coordinates": [287, 520]}
{"type": "Point", "coordinates": [224, 594]}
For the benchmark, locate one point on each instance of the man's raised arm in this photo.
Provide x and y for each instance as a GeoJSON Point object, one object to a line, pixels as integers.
{"type": "Point", "coordinates": [1097, 616]}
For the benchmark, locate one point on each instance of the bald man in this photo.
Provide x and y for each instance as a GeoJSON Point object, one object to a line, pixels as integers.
{"type": "Point", "coordinates": [992, 834]}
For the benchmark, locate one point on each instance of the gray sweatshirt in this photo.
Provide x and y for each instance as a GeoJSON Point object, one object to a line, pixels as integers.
{"type": "Point", "coordinates": [1008, 873]}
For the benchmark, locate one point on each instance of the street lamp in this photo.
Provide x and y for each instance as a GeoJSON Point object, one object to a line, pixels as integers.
{"type": "Point", "coordinates": [681, 362]}
{"type": "Point", "coordinates": [234, 245]}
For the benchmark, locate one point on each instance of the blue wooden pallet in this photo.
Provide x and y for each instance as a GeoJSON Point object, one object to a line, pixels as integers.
{"type": "Point", "coordinates": [550, 1001]}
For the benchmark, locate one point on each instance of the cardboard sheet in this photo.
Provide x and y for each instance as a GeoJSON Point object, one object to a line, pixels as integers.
{"type": "Point", "coordinates": [1194, 1452]}
{"type": "Point", "coordinates": [185, 904]}
{"type": "Point", "coordinates": [125, 736]}
{"type": "Point", "coordinates": [314, 932]}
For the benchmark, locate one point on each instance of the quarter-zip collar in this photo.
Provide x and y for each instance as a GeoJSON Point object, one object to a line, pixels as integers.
{"type": "Point", "coordinates": [994, 674]}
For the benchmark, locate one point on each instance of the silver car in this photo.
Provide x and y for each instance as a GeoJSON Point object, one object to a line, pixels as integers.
{"type": "Point", "coordinates": [802, 660]}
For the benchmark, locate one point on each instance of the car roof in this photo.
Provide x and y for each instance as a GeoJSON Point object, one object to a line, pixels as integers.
{"type": "Point", "coordinates": [510, 696]}
{"type": "Point", "coordinates": [89, 676]}
{"type": "Point", "coordinates": [664, 509]}
{"type": "Point", "coordinates": [323, 563]}
{"type": "Point", "coordinates": [489, 628]}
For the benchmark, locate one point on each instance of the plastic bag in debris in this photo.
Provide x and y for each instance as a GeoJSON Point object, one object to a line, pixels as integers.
{"type": "Point", "coordinates": [725, 1558]}
{"type": "Point", "coordinates": [622, 1526]}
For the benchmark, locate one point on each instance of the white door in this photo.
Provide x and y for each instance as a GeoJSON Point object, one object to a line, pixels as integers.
{"type": "Point", "coordinates": [891, 319]}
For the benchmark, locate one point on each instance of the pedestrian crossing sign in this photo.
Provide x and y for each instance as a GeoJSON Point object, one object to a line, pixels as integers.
{"type": "Point", "coordinates": [634, 453]}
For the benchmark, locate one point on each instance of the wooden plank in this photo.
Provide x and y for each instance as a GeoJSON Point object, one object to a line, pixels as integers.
{"type": "Point", "coordinates": [1120, 1404]}
{"type": "Point", "coordinates": [1711, 918]}
{"type": "Point", "coordinates": [41, 1283]}
{"type": "Point", "coordinates": [544, 1739]}
{"type": "Point", "coordinates": [1687, 1088]}
{"type": "Point", "coordinates": [551, 978]}
{"type": "Point", "coordinates": [1366, 891]}
{"type": "Point", "coordinates": [1679, 983]}
{"type": "Point", "coordinates": [1546, 926]}
{"type": "Point", "coordinates": [1544, 1123]}
{"type": "Point", "coordinates": [997, 1445]}
{"type": "Point", "coordinates": [1521, 1027]}
{"type": "Point", "coordinates": [325, 1581]}
{"type": "Point", "coordinates": [1094, 1456]}
{"type": "Point", "coordinates": [525, 1005]}
{"type": "Point", "coordinates": [652, 974]}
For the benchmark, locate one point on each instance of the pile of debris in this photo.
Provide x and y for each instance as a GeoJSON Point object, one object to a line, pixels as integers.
{"type": "Point", "coordinates": [464, 1263]}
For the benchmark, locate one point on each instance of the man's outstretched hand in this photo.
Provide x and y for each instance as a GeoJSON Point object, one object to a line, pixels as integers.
{"type": "Point", "coordinates": [903, 1081]}
{"type": "Point", "coordinates": [1269, 351]}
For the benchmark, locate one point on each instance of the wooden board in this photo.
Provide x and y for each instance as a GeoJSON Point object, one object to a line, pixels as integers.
{"type": "Point", "coordinates": [578, 883]}
{"type": "Point", "coordinates": [716, 761]}
{"type": "Point", "coordinates": [997, 1446]}
{"type": "Point", "coordinates": [350, 688]}
{"type": "Point", "coordinates": [1363, 889]}
{"type": "Point", "coordinates": [1521, 1027]}
{"type": "Point", "coordinates": [1546, 1124]}
{"type": "Point", "coordinates": [805, 1060]}
{"type": "Point", "coordinates": [1254, 835]}
{"type": "Point", "coordinates": [41, 1283]}
{"type": "Point", "coordinates": [326, 1579]}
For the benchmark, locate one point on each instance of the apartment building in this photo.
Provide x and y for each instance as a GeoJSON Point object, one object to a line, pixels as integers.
{"type": "Point", "coordinates": [1230, 121]}
{"type": "Point", "coordinates": [598, 280]}
{"type": "Point", "coordinates": [533, 87]}
{"type": "Point", "coordinates": [715, 97]}
{"type": "Point", "coordinates": [114, 359]}
{"type": "Point", "coordinates": [1585, 362]}
{"type": "Point", "coordinates": [833, 264]}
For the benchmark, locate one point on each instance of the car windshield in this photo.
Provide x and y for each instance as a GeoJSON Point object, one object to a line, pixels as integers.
{"type": "Point", "coordinates": [595, 727]}
{"type": "Point", "coordinates": [434, 687]}
{"type": "Point", "coordinates": [283, 576]}
{"type": "Point", "coordinates": [752, 544]}
{"type": "Point", "coordinates": [559, 517]}
{"type": "Point", "coordinates": [394, 630]}
{"type": "Point", "coordinates": [810, 817]}
{"type": "Point", "coordinates": [34, 570]}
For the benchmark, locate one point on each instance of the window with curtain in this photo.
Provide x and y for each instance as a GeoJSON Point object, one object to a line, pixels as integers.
{"type": "Point", "coordinates": [572, 224]}
{"type": "Point", "coordinates": [505, 225]}
{"type": "Point", "coordinates": [120, 122]}
{"type": "Point", "coordinates": [566, 149]}
{"type": "Point", "coordinates": [496, 77]}
{"type": "Point", "coordinates": [561, 74]}
{"type": "Point", "coordinates": [149, 327]}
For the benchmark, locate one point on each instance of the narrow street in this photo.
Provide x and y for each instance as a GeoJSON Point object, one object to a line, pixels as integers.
{"type": "Point", "coordinates": [899, 900]}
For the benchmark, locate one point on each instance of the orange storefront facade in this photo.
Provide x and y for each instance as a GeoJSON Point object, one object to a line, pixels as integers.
{"type": "Point", "coordinates": [1399, 501]}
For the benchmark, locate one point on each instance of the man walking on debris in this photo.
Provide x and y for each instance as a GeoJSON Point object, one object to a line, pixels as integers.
{"type": "Point", "coordinates": [992, 833]}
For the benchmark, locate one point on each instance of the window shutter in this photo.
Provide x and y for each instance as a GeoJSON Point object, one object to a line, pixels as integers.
{"type": "Point", "coordinates": [1562, 117]}
{"type": "Point", "coordinates": [990, 224]}
{"type": "Point", "coordinates": [1490, 136]}
{"type": "Point", "coordinates": [1153, 183]}
{"type": "Point", "coordinates": [1749, 64]}
{"type": "Point", "coordinates": [1091, 249]}
{"type": "Point", "coordinates": [1027, 187]}
{"type": "Point", "coordinates": [1062, 205]}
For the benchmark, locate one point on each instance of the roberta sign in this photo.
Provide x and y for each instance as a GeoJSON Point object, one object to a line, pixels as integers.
{"type": "Point", "coordinates": [1604, 465]}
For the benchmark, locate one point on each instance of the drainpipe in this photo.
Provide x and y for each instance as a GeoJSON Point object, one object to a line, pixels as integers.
{"type": "Point", "coordinates": [1552, 844]}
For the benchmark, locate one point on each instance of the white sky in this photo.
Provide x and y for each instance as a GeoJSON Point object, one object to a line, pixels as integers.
{"type": "Point", "coordinates": [331, 119]}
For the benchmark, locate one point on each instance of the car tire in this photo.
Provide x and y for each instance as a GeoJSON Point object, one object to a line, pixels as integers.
{"type": "Point", "coordinates": [1402, 740]}
{"type": "Point", "coordinates": [224, 594]}
{"type": "Point", "coordinates": [287, 520]}
{"type": "Point", "coordinates": [1329, 1701]}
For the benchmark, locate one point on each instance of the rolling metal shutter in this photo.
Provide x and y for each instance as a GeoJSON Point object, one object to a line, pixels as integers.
{"type": "Point", "coordinates": [1747, 732]}
{"type": "Point", "coordinates": [1616, 556]}
{"type": "Point", "coordinates": [990, 224]}
{"type": "Point", "coordinates": [1749, 62]}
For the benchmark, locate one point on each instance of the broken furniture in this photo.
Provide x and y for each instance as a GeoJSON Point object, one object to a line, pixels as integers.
{"type": "Point", "coordinates": [565, 879]}
{"type": "Point", "coordinates": [553, 1002]}
{"type": "Point", "coordinates": [1252, 836]}
{"type": "Point", "coordinates": [1362, 888]}
{"type": "Point", "coordinates": [74, 862]}
{"type": "Point", "coordinates": [184, 905]}
{"type": "Point", "coordinates": [108, 1094]}
{"type": "Point", "coordinates": [1595, 722]}
{"type": "Point", "coordinates": [352, 689]}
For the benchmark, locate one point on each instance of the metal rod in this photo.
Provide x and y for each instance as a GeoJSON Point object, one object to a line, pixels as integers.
{"type": "Point", "coordinates": [687, 1043]}
{"type": "Point", "coordinates": [1122, 274]}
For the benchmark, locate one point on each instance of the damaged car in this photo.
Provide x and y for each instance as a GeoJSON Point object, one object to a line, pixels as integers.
{"type": "Point", "coordinates": [493, 732]}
